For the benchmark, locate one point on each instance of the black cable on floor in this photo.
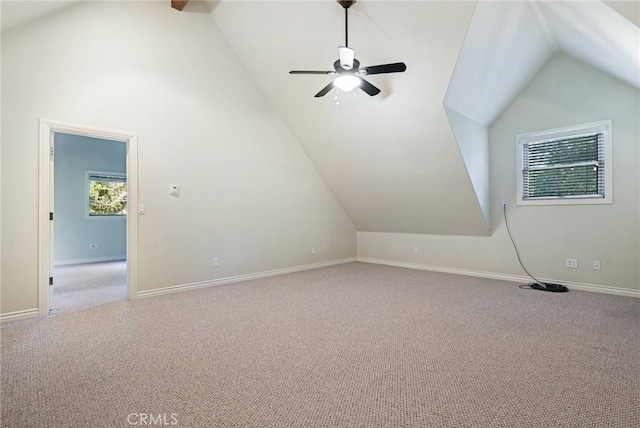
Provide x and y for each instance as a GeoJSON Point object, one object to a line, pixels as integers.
{"type": "Point", "coordinates": [515, 247]}
{"type": "Point", "coordinates": [537, 285]}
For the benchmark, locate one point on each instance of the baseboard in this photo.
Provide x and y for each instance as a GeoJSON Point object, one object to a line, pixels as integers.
{"type": "Point", "coordinates": [89, 260]}
{"type": "Point", "coordinates": [240, 278]}
{"type": "Point", "coordinates": [25, 315]}
{"type": "Point", "coordinates": [505, 277]}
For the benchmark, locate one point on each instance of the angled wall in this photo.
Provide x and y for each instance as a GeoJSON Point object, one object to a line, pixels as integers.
{"type": "Point", "coordinates": [565, 92]}
{"type": "Point", "coordinates": [593, 32]}
{"type": "Point", "coordinates": [249, 195]}
{"type": "Point", "coordinates": [507, 43]}
{"type": "Point", "coordinates": [505, 46]}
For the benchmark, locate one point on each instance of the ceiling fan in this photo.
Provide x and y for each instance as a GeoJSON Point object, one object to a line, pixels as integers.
{"type": "Point", "coordinates": [347, 67]}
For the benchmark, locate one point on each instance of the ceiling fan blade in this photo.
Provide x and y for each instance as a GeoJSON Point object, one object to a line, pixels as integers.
{"type": "Point", "coordinates": [310, 72]}
{"type": "Point", "coordinates": [369, 88]}
{"type": "Point", "coordinates": [396, 67]}
{"type": "Point", "coordinates": [324, 91]}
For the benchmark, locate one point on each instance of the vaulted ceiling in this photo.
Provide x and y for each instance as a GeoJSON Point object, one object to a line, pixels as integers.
{"type": "Point", "coordinates": [415, 158]}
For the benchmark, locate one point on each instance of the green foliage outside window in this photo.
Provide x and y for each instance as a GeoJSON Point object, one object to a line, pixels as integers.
{"type": "Point", "coordinates": [107, 198]}
{"type": "Point", "coordinates": [571, 181]}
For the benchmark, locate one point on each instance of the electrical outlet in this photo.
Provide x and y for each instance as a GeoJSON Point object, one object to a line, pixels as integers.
{"type": "Point", "coordinates": [215, 262]}
{"type": "Point", "coordinates": [313, 250]}
{"type": "Point", "coordinates": [416, 250]}
{"type": "Point", "coordinates": [504, 204]}
{"type": "Point", "coordinates": [93, 246]}
{"type": "Point", "coordinates": [596, 265]}
{"type": "Point", "coordinates": [571, 263]}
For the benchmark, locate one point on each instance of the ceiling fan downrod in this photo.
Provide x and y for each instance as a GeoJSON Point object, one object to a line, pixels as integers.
{"type": "Point", "coordinates": [346, 4]}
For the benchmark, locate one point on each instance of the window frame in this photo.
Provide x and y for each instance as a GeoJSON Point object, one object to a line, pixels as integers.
{"type": "Point", "coordinates": [604, 127]}
{"type": "Point", "coordinates": [87, 203]}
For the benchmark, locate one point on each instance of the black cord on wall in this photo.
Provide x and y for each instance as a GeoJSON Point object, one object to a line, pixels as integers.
{"type": "Point", "coordinates": [537, 284]}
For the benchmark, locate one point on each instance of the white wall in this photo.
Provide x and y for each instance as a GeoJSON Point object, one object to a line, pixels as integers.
{"type": "Point", "coordinates": [566, 92]}
{"type": "Point", "coordinates": [249, 195]}
{"type": "Point", "coordinates": [74, 232]}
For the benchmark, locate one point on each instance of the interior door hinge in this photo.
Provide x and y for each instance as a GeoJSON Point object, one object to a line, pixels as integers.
{"type": "Point", "coordinates": [50, 280]}
{"type": "Point", "coordinates": [50, 216]}
{"type": "Point", "coordinates": [51, 151]}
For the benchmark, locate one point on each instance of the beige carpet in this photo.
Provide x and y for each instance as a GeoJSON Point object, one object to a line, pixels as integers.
{"type": "Point", "coordinates": [355, 345]}
{"type": "Point", "coordinates": [86, 285]}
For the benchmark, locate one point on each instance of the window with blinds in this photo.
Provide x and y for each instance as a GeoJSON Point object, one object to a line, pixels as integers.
{"type": "Point", "coordinates": [567, 165]}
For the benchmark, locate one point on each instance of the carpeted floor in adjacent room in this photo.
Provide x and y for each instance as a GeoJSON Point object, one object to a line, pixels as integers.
{"type": "Point", "coordinates": [354, 346]}
{"type": "Point", "coordinates": [86, 285]}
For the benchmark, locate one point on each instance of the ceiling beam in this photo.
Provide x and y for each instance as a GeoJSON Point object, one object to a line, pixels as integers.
{"type": "Point", "coordinates": [179, 4]}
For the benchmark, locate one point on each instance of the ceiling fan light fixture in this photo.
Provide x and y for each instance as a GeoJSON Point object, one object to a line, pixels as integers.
{"type": "Point", "coordinates": [347, 82]}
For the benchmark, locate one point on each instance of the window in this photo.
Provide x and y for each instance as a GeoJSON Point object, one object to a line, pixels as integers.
{"type": "Point", "coordinates": [106, 194]}
{"type": "Point", "coordinates": [566, 165]}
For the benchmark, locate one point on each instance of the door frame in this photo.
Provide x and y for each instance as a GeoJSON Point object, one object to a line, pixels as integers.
{"type": "Point", "coordinates": [45, 194]}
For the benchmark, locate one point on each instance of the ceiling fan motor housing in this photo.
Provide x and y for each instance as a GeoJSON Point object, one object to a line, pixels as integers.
{"type": "Point", "coordinates": [346, 55]}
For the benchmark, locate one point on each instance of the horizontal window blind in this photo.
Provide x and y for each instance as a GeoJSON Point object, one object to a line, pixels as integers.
{"type": "Point", "coordinates": [567, 167]}
{"type": "Point", "coordinates": [108, 178]}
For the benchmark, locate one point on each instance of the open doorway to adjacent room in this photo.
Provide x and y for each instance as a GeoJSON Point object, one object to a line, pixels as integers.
{"type": "Point", "coordinates": [87, 233]}
{"type": "Point", "coordinates": [90, 229]}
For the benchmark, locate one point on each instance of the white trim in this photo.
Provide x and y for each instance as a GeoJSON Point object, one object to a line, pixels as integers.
{"type": "Point", "coordinates": [25, 315]}
{"type": "Point", "coordinates": [132, 218]}
{"type": "Point", "coordinates": [505, 277]}
{"type": "Point", "coordinates": [241, 278]}
{"type": "Point", "coordinates": [47, 128]}
{"type": "Point", "coordinates": [604, 126]}
{"type": "Point", "coordinates": [87, 260]}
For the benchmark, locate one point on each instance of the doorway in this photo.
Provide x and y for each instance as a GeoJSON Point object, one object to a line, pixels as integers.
{"type": "Point", "coordinates": [89, 226]}
{"type": "Point", "coordinates": [80, 202]}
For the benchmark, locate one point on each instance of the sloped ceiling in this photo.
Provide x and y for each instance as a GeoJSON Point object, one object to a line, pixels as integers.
{"type": "Point", "coordinates": [15, 13]}
{"type": "Point", "coordinates": [415, 158]}
{"type": "Point", "coordinates": [390, 160]}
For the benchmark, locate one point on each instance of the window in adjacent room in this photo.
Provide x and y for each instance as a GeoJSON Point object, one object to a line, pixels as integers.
{"type": "Point", "coordinates": [569, 165]}
{"type": "Point", "coordinates": [106, 194]}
